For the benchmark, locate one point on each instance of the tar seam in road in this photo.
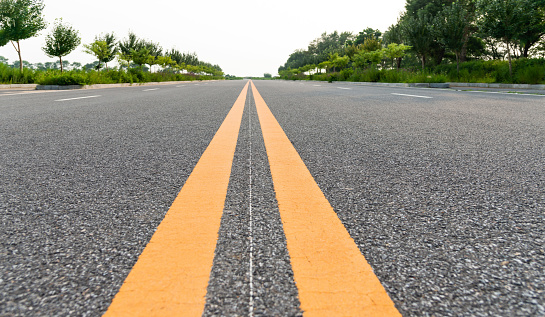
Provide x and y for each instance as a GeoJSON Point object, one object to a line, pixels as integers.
{"type": "Point", "coordinates": [251, 270]}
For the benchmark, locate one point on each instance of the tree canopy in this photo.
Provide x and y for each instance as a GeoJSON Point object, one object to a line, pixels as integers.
{"type": "Point", "coordinates": [19, 20]}
{"type": "Point", "coordinates": [61, 41]}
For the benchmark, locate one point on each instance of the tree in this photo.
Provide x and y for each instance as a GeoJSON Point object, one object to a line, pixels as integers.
{"type": "Point", "coordinates": [110, 52]}
{"type": "Point", "coordinates": [534, 28]}
{"type": "Point", "coordinates": [371, 44]}
{"type": "Point", "coordinates": [505, 20]}
{"type": "Point", "coordinates": [155, 50]}
{"type": "Point", "coordinates": [417, 31]}
{"type": "Point", "coordinates": [452, 25]}
{"type": "Point", "coordinates": [394, 34]}
{"type": "Point", "coordinates": [126, 47]}
{"type": "Point", "coordinates": [19, 20]}
{"type": "Point", "coordinates": [75, 65]}
{"type": "Point", "coordinates": [165, 61]}
{"type": "Point", "coordinates": [141, 56]}
{"type": "Point", "coordinates": [3, 60]}
{"type": "Point", "coordinates": [364, 58]}
{"type": "Point", "coordinates": [396, 51]}
{"type": "Point", "coordinates": [366, 34]}
{"type": "Point", "coordinates": [61, 41]}
{"type": "Point", "coordinates": [99, 49]}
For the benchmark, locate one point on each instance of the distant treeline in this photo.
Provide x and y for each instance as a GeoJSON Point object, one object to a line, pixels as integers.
{"type": "Point", "coordinates": [23, 19]}
{"type": "Point", "coordinates": [431, 35]}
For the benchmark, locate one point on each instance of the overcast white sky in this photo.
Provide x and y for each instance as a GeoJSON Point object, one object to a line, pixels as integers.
{"type": "Point", "coordinates": [246, 38]}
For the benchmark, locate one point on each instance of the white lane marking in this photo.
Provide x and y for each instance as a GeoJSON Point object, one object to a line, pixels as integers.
{"type": "Point", "coordinates": [31, 92]}
{"type": "Point", "coordinates": [251, 224]}
{"type": "Point", "coordinates": [427, 97]}
{"type": "Point", "coordinates": [317, 85]}
{"type": "Point", "coordinates": [344, 88]}
{"type": "Point", "coordinates": [503, 93]}
{"type": "Point", "coordinates": [180, 86]}
{"type": "Point", "coordinates": [86, 97]}
{"type": "Point", "coordinates": [151, 89]}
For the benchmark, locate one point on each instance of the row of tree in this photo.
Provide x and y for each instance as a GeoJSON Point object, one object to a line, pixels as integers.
{"type": "Point", "coordinates": [136, 51]}
{"type": "Point", "coordinates": [459, 30]}
{"type": "Point", "coordinates": [22, 19]}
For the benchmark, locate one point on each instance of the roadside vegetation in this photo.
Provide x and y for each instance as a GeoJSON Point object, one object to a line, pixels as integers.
{"type": "Point", "coordinates": [136, 60]}
{"type": "Point", "coordinates": [491, 41]}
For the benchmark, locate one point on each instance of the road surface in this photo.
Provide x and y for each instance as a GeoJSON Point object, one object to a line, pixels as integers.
{"type": "Point", "coordinates": [437, 195]}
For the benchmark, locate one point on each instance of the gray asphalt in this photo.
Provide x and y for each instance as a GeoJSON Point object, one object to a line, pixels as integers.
{"type": "Point", "coordinates": [444, 196]}
{"type": "Point", "coordinates": [274, 292]}
{"type": "Point", "coordinates": [86, 182]}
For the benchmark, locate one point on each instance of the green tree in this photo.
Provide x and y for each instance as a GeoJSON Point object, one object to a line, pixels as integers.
{"type": "Point", "coordinates": [417, 30]}
{"type": "Point", "coordinates": [19, 20]}
{"type": "Point", "coordinates": [111, 42]}
{"type": "Point", "coordinates": [364, 58]}
{"type": "Point", "coordinates": [366, 34]}
{"type": "Point", "coordinates": [504, 20]}
{"type": "Point", "coordinates": [61, 41]}
{"type": "Point", "coordinates": [155, 50]}
{"type": "Point", "coordinates": [141, 56]}
{"type": "Point", "coordinates": [165, 61]}
{"type": "Point", "coordinates": [534, 28]}
{"type": "Point", "coordinates": [452, 28]}
{"type": "Point", "coordinates": [99, 49]}
{"type": "Point", "coordinates": [126, 47]}
{"type": "Point", "coordinates": [396, 52]}
{"type": "Point", "coordinates": [371, 44]}
{"type": "Point", "coordinates": [76, 65]}
{"type": "Point", "coordinates": [337, 61]}
{"type": "Point", "coordinates": [394, 34]}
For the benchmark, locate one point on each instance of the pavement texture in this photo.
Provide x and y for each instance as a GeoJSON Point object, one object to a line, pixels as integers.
{"type": "Point", "coordinates": [273, 290]}
{"type": "Point", "coordinates": [444, 196]}
{"type": "Point", "coordinates": [86, 182]}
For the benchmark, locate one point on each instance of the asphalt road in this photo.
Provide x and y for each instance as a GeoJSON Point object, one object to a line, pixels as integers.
{"type": "Point", "coordinates": [441, 190]}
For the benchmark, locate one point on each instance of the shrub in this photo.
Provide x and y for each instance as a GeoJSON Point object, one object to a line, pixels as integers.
{"type": "Point", "coordinates": [10, 75]}
{"type": "Point", "coordinates": [531, 75]}
{"type": "Point", "coordinates": [68, 78]}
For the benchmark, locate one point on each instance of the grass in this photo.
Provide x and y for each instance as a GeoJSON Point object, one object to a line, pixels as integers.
{"type": "Point", "coordinates": [10, 75]}
{"type": "Point", "coordinates": [525, 71]}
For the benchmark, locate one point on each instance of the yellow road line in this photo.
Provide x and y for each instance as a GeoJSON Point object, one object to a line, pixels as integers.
{"type": "Point", "coordinates": [331, 274]}
{"type": "Point", "coordinates": [171, 275]}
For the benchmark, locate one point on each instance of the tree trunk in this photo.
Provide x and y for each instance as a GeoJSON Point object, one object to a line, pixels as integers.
{"type": "Point", "coordinates": [458, 64]}
{"type": "Point", "coordinates": [423, 62]}
{"type": "Point", "coordinates": [60, 59]}
{"type": "Point", "coordinates": [20, 58]}
{"type": "Point", "coordinates": [399, 62]}
{"type": "Point", "coordinates": [509, 56]}
{"type": "Point", "coordinates": [525, 51]}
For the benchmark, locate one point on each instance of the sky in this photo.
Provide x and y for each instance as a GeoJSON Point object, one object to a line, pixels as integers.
{"type": "Point", "coordinates": [243, 37]}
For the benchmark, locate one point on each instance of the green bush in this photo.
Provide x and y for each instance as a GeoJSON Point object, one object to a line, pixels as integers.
{"type": "Point", "coordinates": [68, 78]}
{"type": "Point", "coordinates": [10, 75]}
{"type": "Point", "coordinates": [530, 75]}
{"type": "Point", "coordinates": [525, 71]}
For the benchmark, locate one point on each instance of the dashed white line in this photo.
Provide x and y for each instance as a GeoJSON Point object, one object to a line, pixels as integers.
{"type": "Point", "coordinates": [317, 85]}
{"type": "Point", "coordinates": [86, 97]}
{"type": "Point", "coordinates": [180, 86]}
{"type": "Point", "coordinates": [151, 89]}
{"type": "Point", "coordinates": [427, 97]}
{"type": "Point", "coordinates": [344, 88]}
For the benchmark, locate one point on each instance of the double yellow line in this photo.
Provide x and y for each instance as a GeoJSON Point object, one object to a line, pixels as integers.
{"type": "Point", "coordinates": [171, 275]}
